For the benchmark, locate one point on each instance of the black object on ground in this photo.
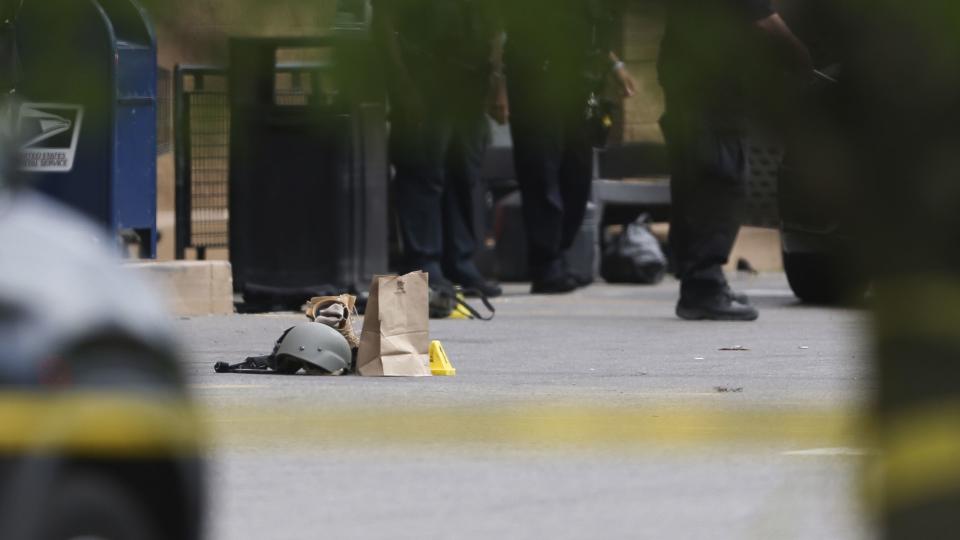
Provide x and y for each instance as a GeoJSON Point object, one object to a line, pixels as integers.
{"type": "Point", "coordinates": [560, 284]}
{"type": "Point", "coordinates": [717, 306]}
{"type": "Point", "coordinates": [743, 265]}
{"type": "Point", "coordinates": [634, 255]}
{"type": "Point", "coordinates": [257, 365]}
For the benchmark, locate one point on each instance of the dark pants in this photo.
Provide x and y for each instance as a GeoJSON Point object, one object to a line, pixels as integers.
{"type": "Point", "coordinates": [708, 176]}
{"type": "Point", "coordinates": [437, 165]}
{"type": "Point", "coordinates": [553, 159]}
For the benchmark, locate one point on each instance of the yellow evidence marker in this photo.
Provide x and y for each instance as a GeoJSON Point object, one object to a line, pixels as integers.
{"type": "Point", "coordinates": [439, 362]}
{"type": "Point", "coordinates": [461, 312]}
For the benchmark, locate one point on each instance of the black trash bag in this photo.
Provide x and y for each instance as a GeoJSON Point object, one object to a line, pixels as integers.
{"type": "Point", "coordinates": [634, 256]}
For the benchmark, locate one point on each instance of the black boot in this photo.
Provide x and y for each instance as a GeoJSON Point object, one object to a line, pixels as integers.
{"type": "Point", "coordinates": [472, 281]}
{"type": "Point", "coordinates": [715, 306]}
{"type": "Point", "coordinates": [482, 286]}
{"type": "Point", "coordinates": [558, 284]}
{"type": "Point", "coordinates": [737, 296]}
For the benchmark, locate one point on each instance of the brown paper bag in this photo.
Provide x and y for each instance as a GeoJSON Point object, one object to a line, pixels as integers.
{"type": "Point", "coordinates": [396, 337]}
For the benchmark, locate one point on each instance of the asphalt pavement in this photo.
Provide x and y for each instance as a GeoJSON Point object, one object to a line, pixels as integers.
{"type": "Point", "coordinates": [592, 415]}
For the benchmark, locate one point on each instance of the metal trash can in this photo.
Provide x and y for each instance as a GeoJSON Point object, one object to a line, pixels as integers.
{"type": "Point", "coordinates": [308, 170]}
{"type": "Point", "coordinates": [87, 117]}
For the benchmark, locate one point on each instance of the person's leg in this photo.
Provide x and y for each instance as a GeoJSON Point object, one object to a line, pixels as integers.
{"type": "Point", "coordinates": [417, 152]}
{"type": "Point", "coordinates": [576, 173]}
{"type": "Point", "coordinates": [679, 189]}
{"type": "Point", "coordinates": [537, 153]}
{"type": "Point", "coordinates": [708, 168]}
{"type": "Point", "coordinates": [464, 162]}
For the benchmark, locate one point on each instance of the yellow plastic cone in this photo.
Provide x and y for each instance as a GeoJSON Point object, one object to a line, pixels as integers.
{"type": "Point", "coordinates": [439, 362]}
{"type": "Point", "coordinates": [460, 312]}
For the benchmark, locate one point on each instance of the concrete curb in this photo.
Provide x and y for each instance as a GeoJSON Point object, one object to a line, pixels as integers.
{"type": "Point", "coordinates": [191, 288]}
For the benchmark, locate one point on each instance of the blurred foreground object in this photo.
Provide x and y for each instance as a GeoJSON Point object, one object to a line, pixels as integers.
{"type": "Point", "coordinates": [98, 437]}
{"type": "Point", "coordinates": [900, 88]}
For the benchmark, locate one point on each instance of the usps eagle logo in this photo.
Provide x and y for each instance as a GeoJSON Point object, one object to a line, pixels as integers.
{"type": "Point", "coordinates": [50, 132]}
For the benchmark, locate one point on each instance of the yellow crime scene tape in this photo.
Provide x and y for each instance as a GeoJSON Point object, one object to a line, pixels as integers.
{"type": "Point", "coordinates": [132, 423]}
{"type": "Point", "coordinates": [917, 459]}
{"type": "Point", "coordinates": [556, 426]}
{"type": "Point", "coordinates": [98, 424]}
{"type": "Point", "coordinates": [918, 456]}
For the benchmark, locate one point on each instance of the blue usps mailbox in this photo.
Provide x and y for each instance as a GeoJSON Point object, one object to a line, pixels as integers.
{"type": "Point", "coordinates": [87, 112]}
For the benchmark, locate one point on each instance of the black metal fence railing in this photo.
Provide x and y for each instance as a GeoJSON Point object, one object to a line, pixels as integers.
{"type": "Point", "coordinates": [202, 133]}
{"type": "Point", "coordinates": [202, 142]}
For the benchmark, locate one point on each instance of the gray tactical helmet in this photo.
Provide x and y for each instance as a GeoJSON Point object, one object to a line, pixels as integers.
{"type": "Point", "coordinates": [314, 347]}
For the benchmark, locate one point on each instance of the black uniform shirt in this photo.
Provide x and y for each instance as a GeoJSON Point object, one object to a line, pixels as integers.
{"type": "Point", "coordinates": [447, 34]}
{"type": "Point", "coordinates": [569, 36]}
{"type": "Point", "coordinates": [446, 46]}
{"type": "Point", "coordinates": [709, 52]}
